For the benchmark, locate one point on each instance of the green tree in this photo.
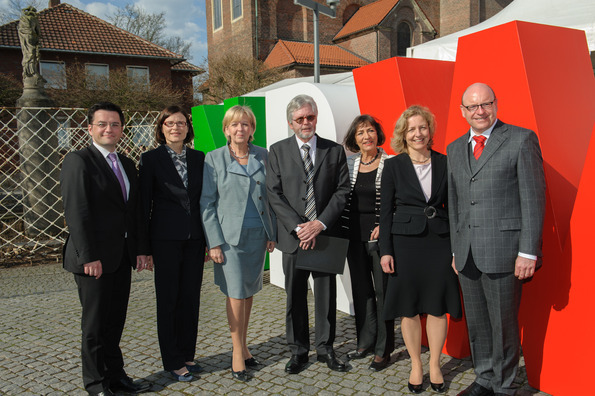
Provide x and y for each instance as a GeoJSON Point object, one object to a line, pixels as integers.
{"type": "Point", "coordinates": [11, 89]}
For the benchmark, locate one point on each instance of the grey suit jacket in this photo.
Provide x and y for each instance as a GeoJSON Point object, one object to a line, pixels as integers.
{"type": "Point", "coordinates": [286, 184]}
{"type": "Point", "coordinates": [226, 189]}
{"type": "Point", "coordinates": [497, 210]}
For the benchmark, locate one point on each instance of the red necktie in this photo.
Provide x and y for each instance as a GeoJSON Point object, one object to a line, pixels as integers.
{"type": "Point", "coordinates": [480, 143]}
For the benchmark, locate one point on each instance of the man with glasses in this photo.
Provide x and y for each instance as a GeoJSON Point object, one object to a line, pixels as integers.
{"type": "Point", "coordinates": [308, 183]}
{"type": "Point", "coordinates": [106, 239]}
{"type": "Point", "coordinates": [496, 192]}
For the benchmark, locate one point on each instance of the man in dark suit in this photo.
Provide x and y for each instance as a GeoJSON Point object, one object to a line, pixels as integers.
{"type": "Point", "coordinates": [107, 238]}
{"type": "Point", "coordinates": [496, 192]}
{"type": "Point", "coordinates": [308, 184]}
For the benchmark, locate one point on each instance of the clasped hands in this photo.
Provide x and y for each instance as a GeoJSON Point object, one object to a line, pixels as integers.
{"type": "Point", "coordinates": [308, 232]}
{"type": "Point", "coordinates": [95, 268]}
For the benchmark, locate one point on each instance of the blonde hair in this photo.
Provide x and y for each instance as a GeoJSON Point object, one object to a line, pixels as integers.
{"type": "Point", "coordinates": [237, 112]}
{"type": "Point", "coordinates": [398, 143]}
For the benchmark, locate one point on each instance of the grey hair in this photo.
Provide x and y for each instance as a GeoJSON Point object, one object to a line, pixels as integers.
{"type": "Point", "coordinates": [297, 103]}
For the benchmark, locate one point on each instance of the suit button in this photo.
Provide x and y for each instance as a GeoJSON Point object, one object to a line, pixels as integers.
{"type": "Point", "coordinates": [261, 213]}
{"type": "Point", "coordinates": [303, 199]}
{"type": "Point", "coordinates": [257, 182]}
{"type": "Point", "coordinates": [472, 179]}
{"type": "Point", "coordinates": [472, 202]}
{"type": "Point", "coordinates": [260, 198]}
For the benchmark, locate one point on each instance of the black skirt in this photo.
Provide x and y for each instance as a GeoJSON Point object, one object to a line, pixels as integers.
{"type": "Point", "coordinates": [424, 281]}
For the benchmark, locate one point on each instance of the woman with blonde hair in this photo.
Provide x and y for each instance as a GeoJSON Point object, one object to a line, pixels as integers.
{"type": "Point", "coordinates": [415, 243]}
{"type": "Point", "coordinates": [239, 226]}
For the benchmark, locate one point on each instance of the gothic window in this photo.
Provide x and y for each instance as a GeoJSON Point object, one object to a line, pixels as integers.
{"type": "Point", "coordinates": [403, 38]}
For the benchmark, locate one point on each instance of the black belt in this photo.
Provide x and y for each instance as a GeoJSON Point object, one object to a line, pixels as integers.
{"type": "Point", "coordinates": [429, 211]}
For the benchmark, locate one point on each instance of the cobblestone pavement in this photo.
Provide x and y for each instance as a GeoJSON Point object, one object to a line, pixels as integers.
{"type": "Point", "coordinates": [40, 338]}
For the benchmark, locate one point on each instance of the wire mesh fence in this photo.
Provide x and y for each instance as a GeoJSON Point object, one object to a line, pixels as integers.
{"type": "Point", "coordinates": [33, 142]}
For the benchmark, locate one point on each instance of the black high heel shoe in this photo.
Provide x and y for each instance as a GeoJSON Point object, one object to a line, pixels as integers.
{"type": "Point", "coordinates": [440, 388]}
{"type": "Point", "coordinates": [252, 362]}
{"type": "Point", "coordinates": [415, 388]}
{"type": "Point", "coordinates": [240, 375]}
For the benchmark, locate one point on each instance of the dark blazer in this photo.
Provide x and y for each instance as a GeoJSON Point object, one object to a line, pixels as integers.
{"type": "Point", "coordinates": [98, 219]}
{"type": "Point", "coordinates": [402, 201]}
{"type": "Point", "coordinates": [286, 185]}
{"type": "Point", "coordinates": [171, 211]}
{"type": "Point", "coordinates": [497, 209]}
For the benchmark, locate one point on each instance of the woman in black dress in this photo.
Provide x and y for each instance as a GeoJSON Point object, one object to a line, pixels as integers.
{"type": "Point", "coordinates": [415, 244]}
{"type": "Point", "coordinates": [368, 281]}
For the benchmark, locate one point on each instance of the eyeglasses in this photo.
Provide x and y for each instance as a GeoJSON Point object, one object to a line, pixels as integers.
{"type": "Point", "coordinates": [104, 125]}
{"type": "Point", "coordinates": [300, 120]}
{"type": "Point", "coordinates": [485, 106]}
{"type": "Point", "coordinates": [176, 123]}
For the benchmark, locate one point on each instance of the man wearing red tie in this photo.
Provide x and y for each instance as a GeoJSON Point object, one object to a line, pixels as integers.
{"type": "Point", "coordinates": [496, 202]}
{"type": "Point", "coordinates": [107, 239]}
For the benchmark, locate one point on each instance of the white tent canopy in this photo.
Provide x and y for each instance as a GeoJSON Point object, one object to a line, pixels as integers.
{"type": "Point", "coordinates": [576, 14]}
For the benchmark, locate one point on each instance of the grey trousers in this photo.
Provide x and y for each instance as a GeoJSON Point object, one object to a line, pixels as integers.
{"type": "Point", "coordinates": [492, 305]}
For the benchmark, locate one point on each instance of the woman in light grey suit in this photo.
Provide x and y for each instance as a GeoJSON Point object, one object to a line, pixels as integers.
{"type": "Point", "coordinates": [239, 225]}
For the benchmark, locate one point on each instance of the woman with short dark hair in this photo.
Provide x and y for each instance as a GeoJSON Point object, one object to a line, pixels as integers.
{"type": "Point", "coordinates": [368, 282]}
{"type": "Point", "coordinates": [171, 184]}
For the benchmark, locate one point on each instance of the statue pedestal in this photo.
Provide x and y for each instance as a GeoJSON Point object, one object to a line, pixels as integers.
{"type": "Point", "coordinates": [39, 163]}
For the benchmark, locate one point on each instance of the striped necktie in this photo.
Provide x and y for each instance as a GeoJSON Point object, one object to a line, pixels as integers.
{"type": "Point", "coordinates": [309, 167]}
{"type": "Point", "coordinates": [480, 143]}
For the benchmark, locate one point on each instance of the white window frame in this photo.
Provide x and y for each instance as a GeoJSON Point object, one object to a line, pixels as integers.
{"type": "Point", "coordinates": [54, 75]}
{"type": "Point", "coordinates": [89, 74]}
{"type": "Point", "coordinates": [217, 18]}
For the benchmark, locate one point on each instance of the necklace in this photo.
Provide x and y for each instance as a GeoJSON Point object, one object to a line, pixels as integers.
{"type": "Point", "coordinates": [420, 162]}
{"type": "Point", "coordinates": [235, 155]}
{"type": "Point", "coordinates": [373, 159]}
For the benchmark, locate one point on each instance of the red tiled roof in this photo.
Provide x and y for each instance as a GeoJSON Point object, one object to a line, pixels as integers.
{"type": "Point", "coordinates": [285, 53]}
{"type": "Point", "coordinates": [66, 28]}
{"type": "Point", "coordinates": [186, 66]}
{"type": "Point", "coordinates": [367, 16]}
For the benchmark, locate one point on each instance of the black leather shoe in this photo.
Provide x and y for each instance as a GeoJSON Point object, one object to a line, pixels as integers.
{"type": "Point", "coordinates": [296, 364]}
{"type": "Point", "coordinates": [476, 390]}
{"type": "Point", "coordinates": [332, 362]}
{"type": "Point", "coordinates": [105, 392]}
{"type": "Point", "coordinates": [240, 375]}
{"type": "Point", "coordinates": [358, 354]}
{"type": "Point", "coordinates": [252, 362]}
{"type": "Point", "coordinates": [381, 365]}
{"type": "Point", "coordinates": [415, 388]}
{"type": "Point", "coordinates": [440, 388]}
{"type": "Point", "coordinates": [125, 384]}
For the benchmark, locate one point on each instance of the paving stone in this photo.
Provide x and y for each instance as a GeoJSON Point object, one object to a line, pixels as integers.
{"type": "Point", "coordinates": [40, 345]}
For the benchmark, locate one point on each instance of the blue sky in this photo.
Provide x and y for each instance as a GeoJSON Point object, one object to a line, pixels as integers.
{"type": "Point", "coordinates": [185, 18]}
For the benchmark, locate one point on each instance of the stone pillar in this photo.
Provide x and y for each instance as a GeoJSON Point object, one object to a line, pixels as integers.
{"type": "Point", "coordinates": [38, 141]}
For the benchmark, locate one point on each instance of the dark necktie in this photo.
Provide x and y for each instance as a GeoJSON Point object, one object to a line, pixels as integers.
{"type": "Point", "coordinates": [480, 143]}
{"type": "Point", "coordinates": [309, 167]}
{"type": "Point", "coordinates": [118, 173]}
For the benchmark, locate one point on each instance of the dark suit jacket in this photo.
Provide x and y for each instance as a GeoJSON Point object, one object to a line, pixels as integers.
{"type": "Point", "coordinates": [97, 217]}
{"type": "Point", "coordinates": [497, 210]}
{"type": "Point", "coordinates": [402, 201]}
{"type": "Point", "coordinates": [286, 186]}
{"type": "Point", "coordinates": [171, 211]}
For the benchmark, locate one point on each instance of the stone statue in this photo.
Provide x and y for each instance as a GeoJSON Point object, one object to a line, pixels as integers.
{"type": "Point", "coordinates": [29, 35]}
